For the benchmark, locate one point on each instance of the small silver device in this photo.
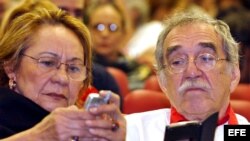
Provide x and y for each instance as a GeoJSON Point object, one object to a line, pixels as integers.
{"type": "Point", "coordinates": [94, 100]}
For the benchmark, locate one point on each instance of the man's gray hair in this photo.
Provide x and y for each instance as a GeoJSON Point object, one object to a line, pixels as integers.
{"type": "Point", "coordinates": [230, 46]}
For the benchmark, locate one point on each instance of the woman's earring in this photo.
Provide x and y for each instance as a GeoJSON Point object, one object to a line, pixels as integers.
{"type": "Point", "coordinates": [12, 84]}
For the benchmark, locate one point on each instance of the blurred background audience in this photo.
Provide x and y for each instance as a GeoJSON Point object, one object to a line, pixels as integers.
{"type": "Point", "coordinates": [4, 5]}
{"type": "Point", "coordinates": [142, 22]}
{"type": "Point", "coordinates": [107, 24]}
{"type": "Point", "coordinates": [125, 32]}
{"type": "Point", "coordinates": [239, 26]}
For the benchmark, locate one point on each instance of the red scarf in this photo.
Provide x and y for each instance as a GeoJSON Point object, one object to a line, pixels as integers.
{"type": "Point", "coordinates": [229, 116]}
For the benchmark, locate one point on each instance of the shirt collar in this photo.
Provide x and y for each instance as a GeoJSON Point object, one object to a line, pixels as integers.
{"type": "Point", "coordinates": [229, 116]}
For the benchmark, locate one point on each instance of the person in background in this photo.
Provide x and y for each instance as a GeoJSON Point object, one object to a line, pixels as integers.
{"type": "Point", "coordinates": [107, 23]}
{"type": "Point", "coordinates": [241, 33]}
{"type": "Point", "coordinates": [141, 46]}
{"type": "Point", "coordinates": [102, 79]}
{"type": "Point", "coordinates": [197, 68]}
{"type": "Point", "coordinates": [227, 6]}
{"type": "Point", "coordinates": [74, 7]}
{"type": "Point", "coordinates": [4, 5]}
{"type": "Point", "coordinates": [22, 8]}
{"type": "Point", "coordinates": [45, 61]}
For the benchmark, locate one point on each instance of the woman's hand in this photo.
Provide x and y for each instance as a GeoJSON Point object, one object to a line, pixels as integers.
{"type": "Point", "coordinates": [102, 123]}
{"type": "Point", "coordinates": [110, 123]}
{"type": "Point", "coordinates": [62, 124]}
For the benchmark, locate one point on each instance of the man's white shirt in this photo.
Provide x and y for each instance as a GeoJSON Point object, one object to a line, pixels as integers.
{"type": "Point", "coordinates": [150, 126]}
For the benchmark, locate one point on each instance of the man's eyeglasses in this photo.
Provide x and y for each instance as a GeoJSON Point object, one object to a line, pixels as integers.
{"type": "Point", "coordinates": [204, 62]}
{"type": "Point", "coordinates": [110, 27]}
{"type": "Point", "coordinates": [75, 70]}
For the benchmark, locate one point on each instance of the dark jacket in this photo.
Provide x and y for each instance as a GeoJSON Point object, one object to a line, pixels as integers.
{"type": "Point", "coordinates": [17, 113]}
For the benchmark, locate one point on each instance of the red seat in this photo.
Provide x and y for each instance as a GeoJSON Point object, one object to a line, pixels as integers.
{"type": "Point", "coordinates": [241, 92]}
{"type": "Point", "coordinates": [121, 79]}
{"type": "Point", "coordinates": [151, 83]}
{"type": "Point", "coordinates": [144, 100]}
{"type": "Point", "coordinates": [241, 107]}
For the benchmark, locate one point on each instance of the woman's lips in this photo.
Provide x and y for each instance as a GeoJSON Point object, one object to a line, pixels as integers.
{"type": "Point", "coordinates": [56, 96]}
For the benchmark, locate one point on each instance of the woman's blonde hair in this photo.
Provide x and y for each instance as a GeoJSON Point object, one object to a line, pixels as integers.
{"type": "Point", "coordinates": [22, 30]}
{"type": "Point", "coordinates": [22, 8]}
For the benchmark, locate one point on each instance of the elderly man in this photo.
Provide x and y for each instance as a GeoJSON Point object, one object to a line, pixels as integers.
{"type": "Point", "coordinates": [198, 68]}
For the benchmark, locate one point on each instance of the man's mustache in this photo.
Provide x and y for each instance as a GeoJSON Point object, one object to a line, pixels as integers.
{"type": "Point", "coordinates": [190, 84]}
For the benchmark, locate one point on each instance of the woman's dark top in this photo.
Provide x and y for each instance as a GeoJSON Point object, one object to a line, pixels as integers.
{"type": "Point", "coordinates": [17, 113]}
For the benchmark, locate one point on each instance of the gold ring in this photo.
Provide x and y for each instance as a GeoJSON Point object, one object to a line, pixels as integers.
{"type": "Point", "coordinates": [115, 126]}
{"type": "Point", "coordinates": [74, 138]}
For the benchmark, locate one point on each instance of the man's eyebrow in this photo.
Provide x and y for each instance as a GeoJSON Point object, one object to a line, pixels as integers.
{"type": "Point", "coordinates": [208, 45]}
{"type": "Point", "coordinates": [171, 49]}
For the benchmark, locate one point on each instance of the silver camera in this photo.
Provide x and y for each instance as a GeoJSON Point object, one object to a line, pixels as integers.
{"type": "Point", "coordinates": [94, 100]}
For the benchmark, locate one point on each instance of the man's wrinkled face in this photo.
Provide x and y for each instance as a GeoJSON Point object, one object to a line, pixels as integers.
{"type": "Point", "coordinates": [191, 87]}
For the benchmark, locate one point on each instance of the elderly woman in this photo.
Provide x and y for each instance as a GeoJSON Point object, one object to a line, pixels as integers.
{"type": "Point", "coordinates": [45, 62]}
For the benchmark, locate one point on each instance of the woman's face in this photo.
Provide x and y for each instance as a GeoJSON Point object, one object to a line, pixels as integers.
{"type": "Point", "coordinates": [106, 29]}
{"type": "Point", "coordinates": [54, 88]}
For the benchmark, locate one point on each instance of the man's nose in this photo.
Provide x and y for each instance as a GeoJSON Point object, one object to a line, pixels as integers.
{"type": "Point", "coordinates": [192, 70]}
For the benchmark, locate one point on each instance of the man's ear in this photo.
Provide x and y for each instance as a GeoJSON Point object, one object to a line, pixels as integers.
{"type": "Point", "coordinates": [9, 70]}
{"type": "Point", "coordinates": [162, 80]}
{"type": "Point", "coordinates": [235, 78]}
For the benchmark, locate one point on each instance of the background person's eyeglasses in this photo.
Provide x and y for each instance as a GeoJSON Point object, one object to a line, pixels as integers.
{"type": "Point", "coordinates": [110, 27]}
{"type": "Point", "coordinates": [204, 62]}
{"type": "Point", "coordinates": [75, 70]}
